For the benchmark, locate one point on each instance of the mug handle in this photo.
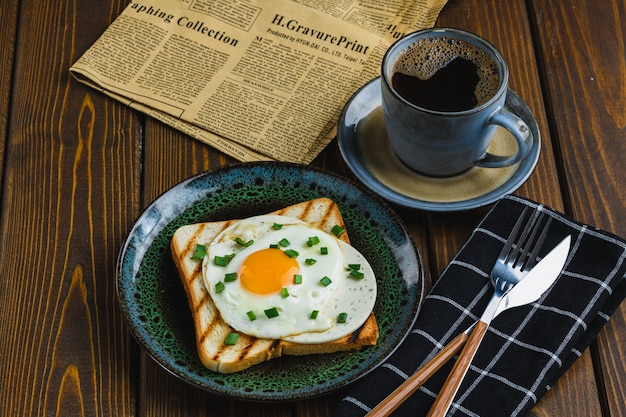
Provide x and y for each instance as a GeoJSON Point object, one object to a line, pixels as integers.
{"type": "Point", "coordinates": [520, 131]}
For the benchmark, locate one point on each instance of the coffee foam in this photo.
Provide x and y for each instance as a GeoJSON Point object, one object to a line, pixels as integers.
{"type": "Point", "coordinates": [424, 57]}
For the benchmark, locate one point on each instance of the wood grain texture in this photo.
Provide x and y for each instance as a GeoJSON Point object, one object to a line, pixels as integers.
{"type": "Point", "coordinates": [583, 54]}
{"type": "Point", "coordinates": [79, 168]}
{"type": "Point", "coordinates": [8, 33]}
{"type": "Point", "coordinates": [69, 198]}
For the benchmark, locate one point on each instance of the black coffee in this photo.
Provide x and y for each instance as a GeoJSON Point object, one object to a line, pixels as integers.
{"type": "Point", "coordinates": [452, 88]}
{"type": "Point", "coordinates": [445, 74]}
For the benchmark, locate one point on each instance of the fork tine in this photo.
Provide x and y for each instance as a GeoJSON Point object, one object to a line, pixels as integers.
{"type": "Point", "coordinates": [532, 256]}
{"type": "Point", "coordinates": [512, 238]}
{"type": "Point", "coordinates": [524, 256]}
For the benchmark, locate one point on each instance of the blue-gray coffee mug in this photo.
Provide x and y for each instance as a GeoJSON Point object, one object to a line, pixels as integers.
{"type": "Point", "coordinates": [446, 143]}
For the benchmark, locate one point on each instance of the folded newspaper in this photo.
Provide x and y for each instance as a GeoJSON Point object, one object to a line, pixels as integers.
{"type": "Point", "coordinates": [256, 79]}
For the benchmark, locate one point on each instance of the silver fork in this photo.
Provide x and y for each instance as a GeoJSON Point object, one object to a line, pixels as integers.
{"type": "Point", "coordinates": [516, 258]}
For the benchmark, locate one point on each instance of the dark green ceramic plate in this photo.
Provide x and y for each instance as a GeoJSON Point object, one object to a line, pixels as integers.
{"type": "Point", "coordinates": [154, 304]}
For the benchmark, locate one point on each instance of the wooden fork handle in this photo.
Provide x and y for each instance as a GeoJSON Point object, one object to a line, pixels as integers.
{"type": "Point", "coordinates": [408, 387]}
{"type": "Point", "coordinates": [451, 386]}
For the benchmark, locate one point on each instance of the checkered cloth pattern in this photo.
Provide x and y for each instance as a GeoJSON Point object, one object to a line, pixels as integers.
{"type": "Point", "coordinates": [526, 349]}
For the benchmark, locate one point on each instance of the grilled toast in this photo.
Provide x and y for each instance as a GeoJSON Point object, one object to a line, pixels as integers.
{"type": "Point", "coordinates": [211, 330]}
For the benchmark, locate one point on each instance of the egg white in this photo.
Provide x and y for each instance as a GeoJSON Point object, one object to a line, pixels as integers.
{"type": "Point", "coordinates": [356, 297]}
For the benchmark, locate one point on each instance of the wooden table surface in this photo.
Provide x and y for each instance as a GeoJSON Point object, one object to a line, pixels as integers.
{"type": "Point", "coordinates": [77, 168]}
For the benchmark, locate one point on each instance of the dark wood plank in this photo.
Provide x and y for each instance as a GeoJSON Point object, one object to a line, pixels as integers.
{"type": "Point", "coordinates": [8, 33]}
{"type": "Point", "coordinates": [508, 28]}
{"type": "Point", "coordinates": [584, 61]}
{"type": "Point", "coordinates": [69, 199]}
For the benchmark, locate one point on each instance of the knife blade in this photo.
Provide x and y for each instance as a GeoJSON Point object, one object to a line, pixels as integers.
{"type": "Point", "coordinates": [529, 289]}
{"type": "Point", "coordinates": [536, 283]}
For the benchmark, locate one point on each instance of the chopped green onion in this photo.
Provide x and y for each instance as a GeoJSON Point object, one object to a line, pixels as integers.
{"type": "Point", "coordinates": [314, 314]}
{"type": "Point", "coordinates": [325, 281]}
{"type": "Point", "coordinates": [277, 226]}
{"type": "Point", "coordinates": [297, 279]}
{"type": "Point", "coordinates": [342, 317]}
{"type": "Point", "coordinates": [230, 277]}
{"type": "Point", "coordinates": [309, 261]}
{"type": "Point", "coordinates": [284, 292]}
{"type": "Point", "coordinates": [240, 242]}
{"type": "Point", "coordinates": [357, 274]}
{"type": "Point", "coordinates": [223, 260]}
{"type": "Point", "coordinates": [274, 246]}
{"type": "Point", "coordinates": [355, 267]}
{"type": "Point", "coordinates": [219, 287]}
{"type": "Point", "coordinates": [271, 312]}
{"type": "Point", "coordinates": [313, 240]}
{"type": "Point", "coordinates": [291, 253]}
{"type": "Point", "coordinates": [200, 252]}
{"type": "Point", "coordinates": [251, 315]}
{"type": "Point", "coordinates": [324, 251]}
{"type": "Point", "coordinates": [231, 339]}
{"type": "Point", "coordinates": [284, 243]}
{"type": "Point", "coordinates": [337, 230]}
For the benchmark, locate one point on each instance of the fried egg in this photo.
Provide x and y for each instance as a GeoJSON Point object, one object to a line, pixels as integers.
{"type": "Point", "coordinates": [277, 277]}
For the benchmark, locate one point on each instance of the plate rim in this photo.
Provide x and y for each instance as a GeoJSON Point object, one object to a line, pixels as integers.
{"type": "Point", "coordinates": [138, 335]}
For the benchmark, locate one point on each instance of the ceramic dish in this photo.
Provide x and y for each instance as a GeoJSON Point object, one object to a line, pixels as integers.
{"type": "Point", "coordinates": [364, 145]}
{"type": "Point", "coordinates": [155, 307]}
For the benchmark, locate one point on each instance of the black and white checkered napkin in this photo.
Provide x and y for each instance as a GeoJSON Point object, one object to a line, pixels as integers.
{"type": "Point", "coordinates": [526, 349]}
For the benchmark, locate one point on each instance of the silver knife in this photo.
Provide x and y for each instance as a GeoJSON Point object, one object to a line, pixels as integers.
{"type": "Point", "coordinates": [525, 291]}
{"type": "Point", "coordinates": [528, 290]}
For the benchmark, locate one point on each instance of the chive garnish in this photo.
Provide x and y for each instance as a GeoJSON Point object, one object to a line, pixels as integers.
{"type": "Point", "coordinates": [291, 253]}
{"type": "Point", "coordinates": [342, 317]}
{"type": "Point", "coordinates": [277, 226]}
{"type": "Point", "coordinates": [240, 242]}
{"type": "Point", "coordinates": [231, 339]}
{"type": "Point", "coordinates": [271, 312]}
{"type": "Point", "coordinates": [284, 243]}
{"type": "Point", "coordinates": [219, 287]}
{"type": "Point", "coordinates": [223, 260]}
{"type": "Point", "coordinates": [355, 267]}
{"type": "Point", "coordinates": [314, 314]}
{"type": "Point", "coordinates": [251, 315]}
{"type": "Point", "coordinates": [200, 252]}
{"type": "Point", "coordinates": [337, 230]}
{"type": "Point", "coordinates": [324, 250]}
{"type": "Point", "coordinates": [357, 274]}
{"type": "Point", "coordinates": [325, 281]}
{"type": "Point", "coordinates": [274, 246]}
{"type": "Point", "coordinates": [309, 261]}
{"type": "Point", "coordinates": [297, 279]}
{"type": "Point", "coordinates": [230, 277]}
{"type": "Point", "coordinates": [284, 292]}
{"type": "Point", "coordinates": [313, 240]}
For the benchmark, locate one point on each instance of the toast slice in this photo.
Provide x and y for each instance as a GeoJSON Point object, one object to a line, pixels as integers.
{"type": "Point", "coordinates": [210, 328]}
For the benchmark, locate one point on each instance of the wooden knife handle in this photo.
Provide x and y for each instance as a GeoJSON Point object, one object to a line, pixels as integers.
{"type": "Point", "coordinates": [408, 387]}
{"type": "Point", "coordinates": [451, 386]}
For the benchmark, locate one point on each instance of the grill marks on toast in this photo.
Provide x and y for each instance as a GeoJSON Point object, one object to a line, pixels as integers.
{"type": "Point", "coordinates": [327, 216]}
{"type": "Point", "coordinates": [215, 355]}
{"type": "Point", "coordinates": [307, 212]}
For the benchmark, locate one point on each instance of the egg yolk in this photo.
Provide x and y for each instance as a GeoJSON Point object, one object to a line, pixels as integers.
{"type": "Point", "coordinates": [267, 271]}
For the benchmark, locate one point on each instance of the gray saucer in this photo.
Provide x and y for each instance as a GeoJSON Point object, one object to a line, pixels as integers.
{"type": "Point", "coordinates": [365, 147]}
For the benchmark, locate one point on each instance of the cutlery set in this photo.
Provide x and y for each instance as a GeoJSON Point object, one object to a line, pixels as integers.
{"type": "Point", "coordinates": [518, 280]}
